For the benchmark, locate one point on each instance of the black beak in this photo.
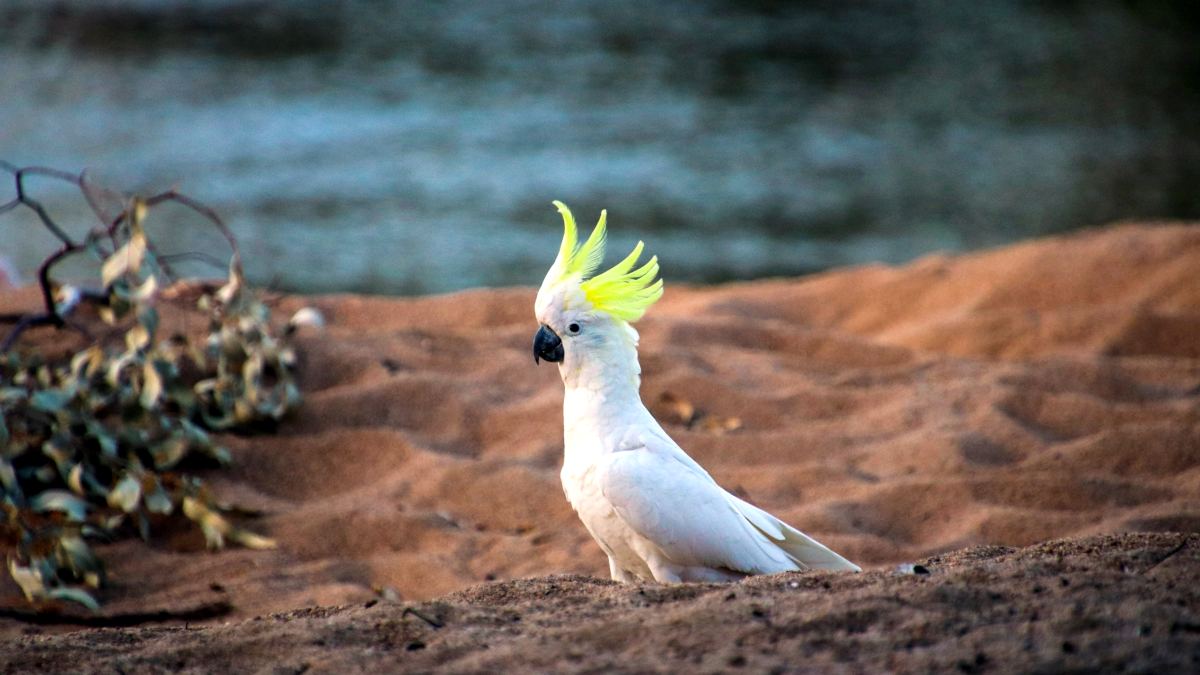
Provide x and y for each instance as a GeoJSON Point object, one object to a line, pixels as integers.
{"type": "Point", "coordinates": [547, 345]}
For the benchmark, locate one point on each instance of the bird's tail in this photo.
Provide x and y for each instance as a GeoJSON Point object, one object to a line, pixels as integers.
{"type": "Point", "coordinates": [806, 551]}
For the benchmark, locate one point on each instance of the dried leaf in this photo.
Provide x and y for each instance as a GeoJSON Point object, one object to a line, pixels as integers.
{"type": "Point", "coordinates": [146, 290]}
{"type": "Point", "coordinates": [720, 425]}
{"type": "Point", "coordinates": [233, 287]}
{"type": "Point", "coordinates": [251, 540]}
{"type": "Point", "coordinates": [66, 299]}
{"type": "Point", "coordinates": [125, 494]}
{"type": "Point", "coordinates": [137, 338]}
{"type": "Point", "coordinates": [126, 259]}
{"type": "Point", "coordinates": [152, 386]}
{"type": "Point", "coordinates": [307, 316]}
{"type": "Point", "coordinates": [168, 453]}
{"type": "Point", "coordinates": [85, 363]}
{"type": "Point", "coordinates": [28, 579]}
{"type": "Point", "coordinates": [681, 408]}
{"type": "Point", "coordinates": [115, 266]}
{"type": "Point", "coordinates": [109, 409]}
{"type": "Point", "coordinates": [75, 479]}
{"type": "Point", "coordinates": [193, 509]}
{"type": "Point", "coordinates": [115, 369]}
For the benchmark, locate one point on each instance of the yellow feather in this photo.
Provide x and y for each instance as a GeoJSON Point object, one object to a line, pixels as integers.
{"type": "Point", "coordinates": [591, 253]}
{"type": "Point", "coordinates": [619, 292]}
{"type": "Point", "coordinates": [570, 235]}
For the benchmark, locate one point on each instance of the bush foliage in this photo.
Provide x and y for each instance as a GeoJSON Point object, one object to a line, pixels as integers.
{"type": "Point", "coordinates": [95, 446]}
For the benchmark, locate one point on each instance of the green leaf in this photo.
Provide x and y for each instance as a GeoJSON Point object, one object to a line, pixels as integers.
{"type": "Point", "coordinates": [60, 451]}
{"type": "Point", "coordinates": [50, 400]}
{"type": "Point", "coordinates": [168, 453]}
{"type": "Point", "coordinates": [80, 558]}
{"type": "Point", "coordinates": [218, 453]}
{"type": "Point", "coordinates": [195, 434]}
{"type": "Point", "coordinates": [148, 317]}
{"type": "Point", "coordinates": [100, 413]}
{"type": "Point", "coordinates": [157, 500]}
{"type": "Point", "coordinates": [77, 595]}
{"type": "Point", "coordinates": [108, 444]}
{"type": "Point", "coordinates": [61, 500]}
{"type": "Point", "coordinates": [8, 477]}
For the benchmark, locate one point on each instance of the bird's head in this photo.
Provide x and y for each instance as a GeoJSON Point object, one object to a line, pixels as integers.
{"type": "Point", "coordinates": [585, 319]}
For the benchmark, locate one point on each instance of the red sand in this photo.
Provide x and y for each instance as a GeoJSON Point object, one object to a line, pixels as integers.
{"type": "Point", "coordinates": [1045, 390]}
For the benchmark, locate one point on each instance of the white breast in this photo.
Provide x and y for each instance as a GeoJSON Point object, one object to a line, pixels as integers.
{"type": "Point", "coordinates": [579, 479]}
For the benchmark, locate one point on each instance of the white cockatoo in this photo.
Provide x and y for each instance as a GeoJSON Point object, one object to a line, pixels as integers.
{"type": "Point", "coordinates": [656, 512]}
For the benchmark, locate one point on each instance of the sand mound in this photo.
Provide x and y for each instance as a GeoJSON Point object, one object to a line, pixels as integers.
{"type": "Point", "coordinates": [1045, 390]}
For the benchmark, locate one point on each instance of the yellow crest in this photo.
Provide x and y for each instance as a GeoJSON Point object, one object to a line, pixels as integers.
{"type": "Point", "coordinates": [621, 291]}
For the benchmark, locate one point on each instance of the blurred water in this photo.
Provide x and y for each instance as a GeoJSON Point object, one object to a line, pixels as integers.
{"type": "Point", "coordinates": [404, 147]}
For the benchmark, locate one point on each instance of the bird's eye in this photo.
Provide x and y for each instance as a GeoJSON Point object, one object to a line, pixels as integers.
{"type": "Point", "coordinates": [573, 329]}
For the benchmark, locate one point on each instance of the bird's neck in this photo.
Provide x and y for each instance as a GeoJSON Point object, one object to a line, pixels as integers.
{"type": "Point", "coordinates": [593, 400]}
{"type": "Point", "coordinates": [602, 390]}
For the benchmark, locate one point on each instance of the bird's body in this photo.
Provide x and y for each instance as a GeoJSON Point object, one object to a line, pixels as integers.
{"type": "Point", "coordinates": [654, 511]}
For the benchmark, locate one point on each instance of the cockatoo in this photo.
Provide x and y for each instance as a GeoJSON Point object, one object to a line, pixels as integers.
{"type": "Point", "coordinates": [654, 510]}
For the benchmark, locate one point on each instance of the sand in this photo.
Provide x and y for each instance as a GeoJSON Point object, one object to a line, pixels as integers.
{"type": "Point", "coordinates": [1004, 398]}
{"type": "Point", "coordinates": [1105, 604]}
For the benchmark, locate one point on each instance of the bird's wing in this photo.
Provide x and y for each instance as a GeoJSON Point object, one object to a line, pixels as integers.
{"type": "Point", "coordinates": [666, 497]}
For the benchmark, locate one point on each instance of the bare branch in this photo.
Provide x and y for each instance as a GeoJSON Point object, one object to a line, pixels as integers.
{"type": "Point", "coordinates": [208, 213]}
{"type": "Point", "coordinates": [110, 230]}
{"type": "Point", "coordinates": [194, 256]}
{"type": "Point", "coordinates": [26, 322]}
{"type": "Point", "coordinates": [36, 206]}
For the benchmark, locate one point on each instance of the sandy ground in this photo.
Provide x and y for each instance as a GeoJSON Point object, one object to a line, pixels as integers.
{"type": "Point", "coordinates": [1045, 390]}
{"type": "Point", "coordinates": [1108, 603]}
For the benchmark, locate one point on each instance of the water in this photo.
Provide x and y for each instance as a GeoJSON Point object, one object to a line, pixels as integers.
{"type": "Point", "coordinates": [397, 148]}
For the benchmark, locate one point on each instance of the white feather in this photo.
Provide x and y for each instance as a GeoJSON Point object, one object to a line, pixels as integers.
{"type": "Point", "coordinates": [654, 510]}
